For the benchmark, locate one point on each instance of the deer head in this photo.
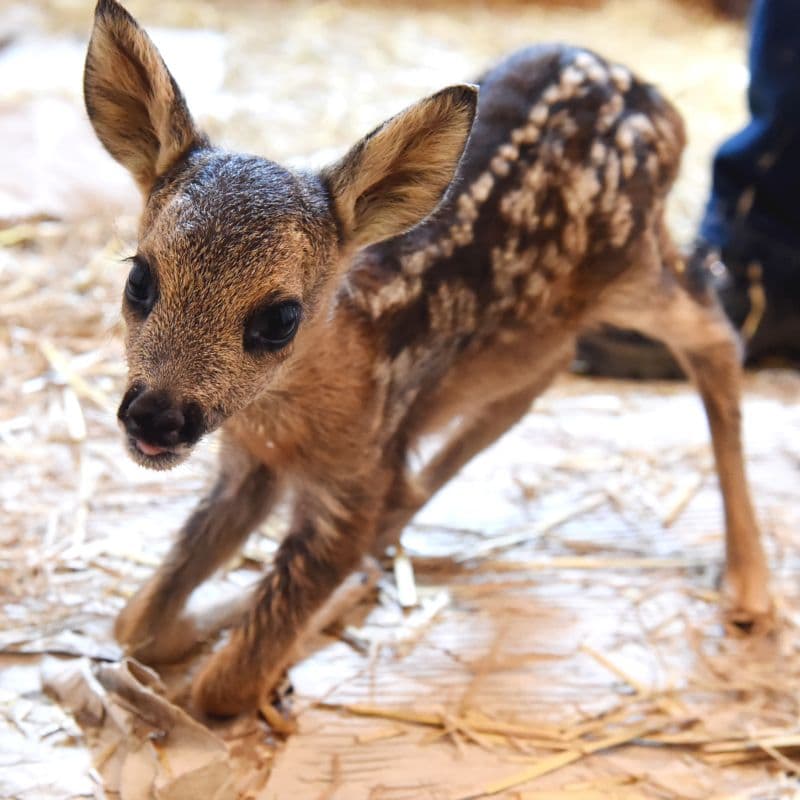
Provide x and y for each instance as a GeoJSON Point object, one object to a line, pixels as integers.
{"type": "Point", "coordinates": [238, 257]}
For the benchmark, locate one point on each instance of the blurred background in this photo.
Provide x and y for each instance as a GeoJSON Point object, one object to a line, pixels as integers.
{"type": "Point", "coordinates": [613, 479]}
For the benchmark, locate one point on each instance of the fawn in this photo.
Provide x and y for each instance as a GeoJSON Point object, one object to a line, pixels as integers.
{"type": "Point", "coordinates": [436, 275]}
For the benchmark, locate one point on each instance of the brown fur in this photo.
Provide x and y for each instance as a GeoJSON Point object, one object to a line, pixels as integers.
{"type": "Point", "coordinates": [553, 223]}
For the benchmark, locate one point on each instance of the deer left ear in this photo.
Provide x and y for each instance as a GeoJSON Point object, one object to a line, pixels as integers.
{"type": "Point", "coordinates": [394, 177]}
{"type": "Point", "coordinates": [133, 102]}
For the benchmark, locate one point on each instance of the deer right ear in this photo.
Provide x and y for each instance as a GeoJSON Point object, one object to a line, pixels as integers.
{"type": "Point", "coordinates": [133, 102]}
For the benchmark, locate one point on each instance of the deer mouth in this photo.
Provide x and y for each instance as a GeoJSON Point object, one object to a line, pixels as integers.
{"type": "Point", "coordinates": [156, 456]}
{"type": "Point", "coordinates": [149, 449]}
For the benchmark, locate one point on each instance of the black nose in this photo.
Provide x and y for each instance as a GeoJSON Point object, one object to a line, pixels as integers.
{"type": "Point", "coordinates": [154, 417]}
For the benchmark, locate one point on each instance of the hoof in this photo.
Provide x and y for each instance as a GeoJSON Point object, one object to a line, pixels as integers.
{"type": "Point", "coordinates": [747, 605]}
{"type": "Point", "coordinates": [224, 687]}
{"type": "Point", "coordinates": [749, 623]}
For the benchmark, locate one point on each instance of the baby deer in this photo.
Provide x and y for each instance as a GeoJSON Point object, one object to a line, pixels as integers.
{"type": "Point", "coordinates": [324, 322]}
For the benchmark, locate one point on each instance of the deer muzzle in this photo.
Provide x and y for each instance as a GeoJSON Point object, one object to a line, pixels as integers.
{"type": "Point", "coordinates": [160, 428]}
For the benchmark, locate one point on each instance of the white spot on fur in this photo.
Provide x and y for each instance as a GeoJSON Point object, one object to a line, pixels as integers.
{"type": "Point", "coordinates": [580, 191]}
{"type": "Point", "coordinates": [416, 263]}
{"type": "Point", "coordinates": [550, 96]}
{"type": "Point", "coordinates": [509, 152]}
{"type": "Point", "coordinates": [625, 137]}
{"type": "Point", "coordinates": [500, 166]}
{"type": "Point", "coordinates": [572, 77]}
{"type": "Point", "coordinates": [482, 187]}
{"type": "Point", "coordinates": [526, 135]}
{"type": "Point", "coordinates": [540, 112]}
{"type": "Point", "coordinates": [597, 73]}
{"type": "Point", "coordinates": [461, 234]}
{"type": "Point", "coordinates": [629, 163]}
{"type": "Point", "coordinates": [585, 60]}
{"type": "Point", "coordinates": [609, 113]}
{"type": "Point", "coordinates": [642, 125]}
{"type": "Point", "coordinates": [621, 221]}
{"type": "Point", "coordinates": [611, 178]}
{"type": "Point", "coordinates": [467, 208]}
{"type": "Point", "coordinates": [621, 77]}
{"type": "Point", "coordinates": [535, 285]}
{"type": "Point", "coordinates": [394, 294]}
{"type": "Point", "coordinates": [453, 309]}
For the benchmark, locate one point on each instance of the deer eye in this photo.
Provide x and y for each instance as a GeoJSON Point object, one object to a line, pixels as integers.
{"type": "Point", "coordinates": [140, 288]}
{"type": "Point", "coordinates": [272, 327]}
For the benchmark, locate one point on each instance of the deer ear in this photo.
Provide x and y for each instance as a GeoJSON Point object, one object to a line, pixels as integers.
{"type": "Point", "coordinates": [394, 177]}
{"type": "Point", "coordinates": [134, 104]}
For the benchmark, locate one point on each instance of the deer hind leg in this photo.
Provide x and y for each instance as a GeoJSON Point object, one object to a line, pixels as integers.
{"type": "Point", "coordinates": [410, 493]}
{"type": "Point", "coordinates": [682, 312]}
{"type": "Point", "coordinates": [152, 625]}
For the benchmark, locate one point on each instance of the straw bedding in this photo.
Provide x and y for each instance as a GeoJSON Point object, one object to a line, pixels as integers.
{"type": "Point", "coordinates": [551, 629]}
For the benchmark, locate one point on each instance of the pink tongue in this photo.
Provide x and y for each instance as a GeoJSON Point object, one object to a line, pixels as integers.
{"type": "Point", "coordinates": [149, 449]}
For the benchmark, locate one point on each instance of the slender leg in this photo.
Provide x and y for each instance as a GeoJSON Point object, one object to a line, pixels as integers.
{"type": "Point", "coordinates": [330, 534]}
{"type": "Point", "coordinates": [151, 625]}
{"type": "Point", "coordinates": [409, 494]}
{"type": "Point", "coordinates": [686, 317]}
{"type": "Point", "coordinates": [715, 370]}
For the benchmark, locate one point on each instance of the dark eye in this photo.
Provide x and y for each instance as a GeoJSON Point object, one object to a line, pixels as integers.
{"type": "Point", "coordinates": [140, 290]}
{"type": "Point", "coordinates": [272, 327]}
